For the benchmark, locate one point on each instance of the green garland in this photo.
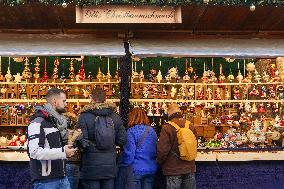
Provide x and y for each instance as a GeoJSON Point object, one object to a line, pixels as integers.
{"type": "Point", "coordinates": [148, 2]}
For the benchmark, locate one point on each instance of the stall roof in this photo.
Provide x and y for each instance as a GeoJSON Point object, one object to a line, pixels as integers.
{"type": "Point", "coordinates": [262, 48]}
{"type": "Point", "coordinates": [58, 45]}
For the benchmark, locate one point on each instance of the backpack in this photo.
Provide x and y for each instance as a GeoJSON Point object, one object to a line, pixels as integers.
{"type": "Point", "coordinates": [104, 133]}
{"type": "Point", "coordinates": [187, 142]}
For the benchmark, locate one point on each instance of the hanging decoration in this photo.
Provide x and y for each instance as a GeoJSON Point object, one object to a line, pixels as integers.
{"type": "Point", "coordinates": [55, 70]}
{"type": "Point", "coordinates": [37, 69]}
{"type": "Point", "coordinates": [26, 73]}
{"type": "Point", "coordinates": [45, 75]}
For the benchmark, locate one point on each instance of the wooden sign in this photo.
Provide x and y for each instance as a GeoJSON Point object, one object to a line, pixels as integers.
{"type": "Point", "coordinates": [128, 14]}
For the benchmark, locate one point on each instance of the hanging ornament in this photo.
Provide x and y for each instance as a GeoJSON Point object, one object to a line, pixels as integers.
{"type": "Point", "coordinates": [230, 76]}
{"type": "Point", "coordinates": [26, 73]}
{"type": "Point", "coordinates": [195, 76]}
{"type": "Point", "coordinates": [9, 76]}
{"type": "Point", "coordinates": [240, 77]}
{"type": "Point", "coordinates": [109, 77]}
{"type": "Point", "coordinates": [272, 91]}
{"type": "Point", "coordinates": [62, 77]}
{"type": "Point", "coordinates": [71, 70]}
{"type": "Point", "coordinates": [55, 69]}
{"type": "Point", "coordinates": [173, 92]}
{"type": "Point", "coordinates": [82, 74]}
{"type": "Point", "coordinates": [221, 78]}
{"type": "Point", "coordinates": [100, 76]}
{"type": "Point", "coordinates": [37, 69]}
{"type": "Point", "coordinates": [190, 68]}
{"type": "Point", "coordinates": [45, 76]}
{"type": "Point", "coordinates": [141, 75]}
{"type": "Point", "coordinates": [190, 92]}
{"type": "Point", "coordinates": [252, 8]}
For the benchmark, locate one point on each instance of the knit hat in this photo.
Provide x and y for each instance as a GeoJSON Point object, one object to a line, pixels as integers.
{"type": "Point", "coordinates": [173, 108]}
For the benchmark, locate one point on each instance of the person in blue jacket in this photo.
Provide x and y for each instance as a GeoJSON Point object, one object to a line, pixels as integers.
{"type": "Point", "coordinates": [140, 150]}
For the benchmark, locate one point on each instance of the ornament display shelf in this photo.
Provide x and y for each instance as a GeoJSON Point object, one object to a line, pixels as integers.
{"type": "Point", "coordinates": [62, 83]}
{"type": "Point", "coordinates": [205, 84]}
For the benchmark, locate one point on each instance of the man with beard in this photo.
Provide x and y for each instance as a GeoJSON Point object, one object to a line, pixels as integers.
{"type": "Point", "coordinates": [47, 139]}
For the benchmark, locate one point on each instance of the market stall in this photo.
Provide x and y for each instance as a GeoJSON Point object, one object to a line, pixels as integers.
{"type": "Point", "coordinates": [230, 89]}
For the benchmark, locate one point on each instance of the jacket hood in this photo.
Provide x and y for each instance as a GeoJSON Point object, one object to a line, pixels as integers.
{"type": "Point", "coordinates": [99, 109]}
{"type": "Point", "coordinates": [39, 112]}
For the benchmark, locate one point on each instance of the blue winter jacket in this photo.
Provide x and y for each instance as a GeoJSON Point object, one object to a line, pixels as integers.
{"type": "Point", "coordinates": [143, 159]}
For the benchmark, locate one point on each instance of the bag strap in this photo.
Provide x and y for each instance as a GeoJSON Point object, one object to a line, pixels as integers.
{"type": "Point", "coordinates": [140, 142]}
{"type": "Point", "coordinates": [187, 123]}
{"type": "Point", "coordinates": [174, 125]}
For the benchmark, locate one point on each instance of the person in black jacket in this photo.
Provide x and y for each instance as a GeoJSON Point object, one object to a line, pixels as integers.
{"type": "Point", "coordinates": [47, 136]}
{"type": "Point", "coordinates": [98, 166]}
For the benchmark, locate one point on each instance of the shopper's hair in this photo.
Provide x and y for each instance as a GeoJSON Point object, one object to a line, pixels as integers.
{"type": "Point", "coordinates": [53, 92]}
{"type": "Point", "coordinates": [137, 116]}
{"type": "Point", "coordinates": [98, 95]}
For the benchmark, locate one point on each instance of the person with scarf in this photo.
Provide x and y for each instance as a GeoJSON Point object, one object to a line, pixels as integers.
{"type": "Point", "coordinates": [47, 139]}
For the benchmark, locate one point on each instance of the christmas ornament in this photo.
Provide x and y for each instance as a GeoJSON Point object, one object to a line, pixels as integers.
{"type": "Point", "coordinates": [218, 94]}
{"type": "Point", "coordinates": [18, 78]}
{"type": "Point", "coordinates": [37, 69]}
{"type": "Point", "coordinates": [62, 77]}
{"type": "Point", "coordinates": [55, 69]}
{"type": "Point", "coordinates": [150, 109]}
{"type": "Point", "coordinates": [8, 76]}
{"type": "Point", "coordinates": [45, 76]}
{"type": "Point", "coordinates": [100, 76]}
{"type": "Point", "coordinates": [71, 70]}
{"type": "Point", "coordinates": [209, 94]}
{"type": "Point", "coordinates": [263, 91]}
{"type": "Point", "coordinates": [200, 93]}
{"type": "Point", "coordinates": [261, 108]}
{"type": "Point", "coordinates": [159, 76]}
{"type": "Point", "coordinates": [82, 75]}
{"type": "Point", "coordinates": [26, 73]}
{"type": "Point", "coordinates": [257, 77]}
{"type": "Point", "coordinates": [173, 92]}
{"type": "Point", "coordinates": [240, 77]}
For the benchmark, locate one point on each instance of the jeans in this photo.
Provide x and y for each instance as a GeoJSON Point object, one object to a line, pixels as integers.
{"type": "Point", "coordinates": [73, 174]}
{"type": "Point", "coordinates": [52, 184]}
{"type": "Point", "coordinates": [144, 181]}
{"type": "Point", "coordinates": [186, 181]}
{"type": "Point", "coordinates": [98, 184]}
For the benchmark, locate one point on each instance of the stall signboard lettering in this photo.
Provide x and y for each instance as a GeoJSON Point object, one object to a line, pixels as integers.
{"type": "Point", "coordinates": [128, 14]}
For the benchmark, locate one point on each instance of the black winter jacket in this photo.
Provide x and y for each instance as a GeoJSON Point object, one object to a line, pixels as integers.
{"type": "Point", "coordinates": [97, 164]}
{"type": "Point", "coordinates": [45, 148]}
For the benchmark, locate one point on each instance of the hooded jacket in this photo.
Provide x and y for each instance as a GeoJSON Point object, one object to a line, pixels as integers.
{"type": "Point", "coordinates": [97, 164]}
{"type": "Point", "coordinates": [45, 147]}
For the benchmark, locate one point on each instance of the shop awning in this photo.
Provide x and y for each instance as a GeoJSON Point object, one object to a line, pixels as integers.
{"type": "Point", "coordinates": [262, 48]}
{"type": "Point", "coordinates": [59, 45]}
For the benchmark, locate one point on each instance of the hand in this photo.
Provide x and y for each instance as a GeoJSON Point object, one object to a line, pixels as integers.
{"type": "Point", "coordinates": [69, 150]}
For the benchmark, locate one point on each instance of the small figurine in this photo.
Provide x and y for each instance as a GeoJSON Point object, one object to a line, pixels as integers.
{"type": "Point", "coordinates": [141, 75]}
{"type": "Point", "coordinates": [150, 109]}
{"type": "Point", "coordinates": [205, 77]}
{"type": "Point", "coordinates": [100, 76]}
{"type": "Point", "coordinates": [145, 92]}
{"type": "Point", "coordinates": [218, 94]}
{"type": "Point", "coordinates": [18, 78]}
{"type": "Point", "coordinates": [237, 93]}
{"type": "Point", "coordinates": [257, 77]}
{"type": "Point", "coordinates": [263, 91]}
{"type": "Point", "coordinates": [8, 76]}
{"type": "Point", "coordinates": [164, 93]}
{"type": "Point", "coordinates": [227, 94]}
{"type": "Point", "coordinates": [186, 77]}
{"type": "Point", "coordinates": [200, 93]}
{"type": "Point", "coordinates": [159, 76]}
{"type": "Point", "coordinates": [71, 70]}
{"type": "Point", "coordinates": [173, 92]}
{"type": "Point", "coordinates": [254, 92]}
{"type": "Point", "coordinates": [209, 94]}
{"type": "Point", "coordinates": [261, 108]}
{"type": "Point", "coordinates": [157, 109]}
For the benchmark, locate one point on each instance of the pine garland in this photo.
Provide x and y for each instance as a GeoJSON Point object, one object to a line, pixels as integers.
{"type": "Point", "coordinates": [147, 2]}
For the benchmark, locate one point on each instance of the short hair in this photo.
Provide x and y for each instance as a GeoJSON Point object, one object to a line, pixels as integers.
{"type": "Point", "coordinates": [137, 116]}
{"type": "Point", "coordinates": [98, 95]}
{"type": "Point", "coordinates": [53, 92]}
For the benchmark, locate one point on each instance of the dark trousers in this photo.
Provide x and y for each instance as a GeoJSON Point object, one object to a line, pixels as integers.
{"type": "Point", "coordinates": [186, 181]}
{"type": "Point", "coordinates": [144, 181]}
{"type": "Point", "coordinates": [98, 184]}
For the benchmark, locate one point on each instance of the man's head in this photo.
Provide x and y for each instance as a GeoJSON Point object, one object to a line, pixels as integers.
{"type": "Point", "coordinates": [57, 98]}
{"type": "Point", "coordinates": [98, 95]}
